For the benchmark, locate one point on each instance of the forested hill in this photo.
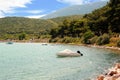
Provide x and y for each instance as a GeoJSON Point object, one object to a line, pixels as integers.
{"type": "Point", "coordinates": [60, 20]}
{"type": "Point", "coordinates": [13, 25]}
{"type": "Point", "coordinates": [106, 19]}
{"type": "Point", "coordinates": [102, 26]}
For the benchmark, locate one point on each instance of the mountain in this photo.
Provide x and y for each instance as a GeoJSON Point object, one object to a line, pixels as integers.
{"type": "Point", "coordinates": [16, 25]}
{"type": "Point", "coordinates": [76, 10]}
{"type": "Point", "coordinates": [60, 20]}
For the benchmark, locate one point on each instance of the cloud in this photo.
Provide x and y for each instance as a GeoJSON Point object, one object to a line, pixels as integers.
{"type": "Point", "coordinates": [34, 11]}
{"type": "Point", "coordinates": [8, 6]}
{"type": "Point", "coordinates": [71, 2]}
{"type": "Point", "coordinates": [36, 16]}
{"type": "Point", "coordinates": [78, 2]}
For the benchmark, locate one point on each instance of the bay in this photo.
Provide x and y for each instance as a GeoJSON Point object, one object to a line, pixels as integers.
{"type": "Point", "coordinates": [34, 61]}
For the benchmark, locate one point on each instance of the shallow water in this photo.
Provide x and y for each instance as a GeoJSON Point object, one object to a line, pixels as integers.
{"type": "Point", "coordinates": [34, 61]}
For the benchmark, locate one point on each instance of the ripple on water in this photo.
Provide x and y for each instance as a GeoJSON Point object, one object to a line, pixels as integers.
{"type": "Point", "coordinates": [33, 61]}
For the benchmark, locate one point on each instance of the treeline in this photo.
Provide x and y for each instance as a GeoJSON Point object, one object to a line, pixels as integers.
{"type": "Point", "coordinates": [21, 24]}
{"type": "Point", "coordinates": [99, 27]}
{"type": "Point", "coordinates": [60, 20]}
{"type": "Point", "coordinates": [20, 28]}
{"type": "Point", "coordinates": [13, 27]}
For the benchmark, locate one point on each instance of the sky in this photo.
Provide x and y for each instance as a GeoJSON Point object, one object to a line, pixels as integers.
{"type": "Point", "coordinates": [36, 8]}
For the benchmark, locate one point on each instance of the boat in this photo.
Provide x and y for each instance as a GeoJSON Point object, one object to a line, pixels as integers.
{"type": "Point", "coordinates": [44, 44]}
{"type": "Point", "coordinates": [10, 42]}
{"type": "Point", "coordinates": [68, 53]}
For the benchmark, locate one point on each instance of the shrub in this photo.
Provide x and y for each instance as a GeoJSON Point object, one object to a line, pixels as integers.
{"type": "Point", "coordinates": [98, 41]}
{"type": "Point", "coordinates": [54, 40]}
{"type": "Point", "coordinates": [87, 36]}
{"type": "Point", "coordinates": [22, 36]}
{"type": "Point", "coordinates": [93, 40]}
{"type": "Point", "coordinates": [70, 40]}
{"type": "Point", "coordinates": [118, 43]}
{"type": "Point", "coordinates": [104, 39]}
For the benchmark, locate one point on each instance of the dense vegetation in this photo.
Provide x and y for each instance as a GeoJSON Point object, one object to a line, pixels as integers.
{"type": "Point", "coordinates": [99, 27]}
{"type": "Point", "coordinates": [13, 27]}
{"type": "Point", "coordinates": [60, 20]}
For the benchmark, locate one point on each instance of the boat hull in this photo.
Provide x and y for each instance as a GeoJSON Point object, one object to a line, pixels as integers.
{"type": "Point", "coordinates": [68, 55]}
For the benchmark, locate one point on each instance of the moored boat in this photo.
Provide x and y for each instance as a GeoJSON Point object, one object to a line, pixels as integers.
{"type": "Point", "coordinates": [68, 53]}
{"type": "Point", "coordinates": [10, 42]}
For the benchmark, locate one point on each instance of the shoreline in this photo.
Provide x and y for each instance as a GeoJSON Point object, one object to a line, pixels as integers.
{"type": "Point", "coordinates": [105, 47]}
{"type": "Point", "coordinates": [95, 46]}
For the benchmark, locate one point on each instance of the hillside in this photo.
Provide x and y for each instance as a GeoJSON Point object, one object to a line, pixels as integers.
{"type": "Point", "coordinates": [101, 27]}
{"type": "Point", "coordinates": [76, 10]}
{"type": "Point", "coordinates": [13, 25]}
{"type": "Point", "coordinates": [59, 20]}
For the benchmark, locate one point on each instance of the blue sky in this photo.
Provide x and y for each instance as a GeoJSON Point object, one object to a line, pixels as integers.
{"type": "Point", "coordinates": [36, 8]}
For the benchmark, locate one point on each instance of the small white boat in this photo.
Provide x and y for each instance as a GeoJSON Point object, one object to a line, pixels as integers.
{"type": "Point", "coordinates": [10, 42]}
{"type": "Point", "coordinates": [68, 53]}
{"type": "Point", "coordinates": [44, 44]}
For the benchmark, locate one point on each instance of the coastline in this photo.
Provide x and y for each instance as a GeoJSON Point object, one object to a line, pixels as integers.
{"type": "Point", "coordinates": [46, 41]}
{"type": "Point", "coordinates": [105, 47]}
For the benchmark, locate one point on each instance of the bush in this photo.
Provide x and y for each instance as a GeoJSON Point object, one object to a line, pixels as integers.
{"type": "Point", "coordinates": [93, 40]}
{"type": "Point", "coordinates": [98, 41]}
{"type": "Point", "coordinates": [22, 36]}
{"type": "Point", "coordinates": [118, 43]}
{"type": "Point", "coordinates": [104, 39]}
{"type": "Point", "coordinates": [54, 40]}
{"type": "Point", "coordinates": [87, 36]}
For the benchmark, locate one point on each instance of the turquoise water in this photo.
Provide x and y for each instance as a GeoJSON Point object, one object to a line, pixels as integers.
{"type": "Point", "coordinates": [34, 61]}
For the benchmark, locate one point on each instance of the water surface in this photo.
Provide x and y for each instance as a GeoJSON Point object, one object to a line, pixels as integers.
{"type": "Point", "coordinates": [34, 61]}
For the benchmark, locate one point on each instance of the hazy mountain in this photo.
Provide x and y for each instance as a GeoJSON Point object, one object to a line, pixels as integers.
{"type": "Point", "coordinates": [76, 10]}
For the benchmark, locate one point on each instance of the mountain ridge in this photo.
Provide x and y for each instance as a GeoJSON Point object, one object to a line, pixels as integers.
{"type": "Point", "coordinates": [76, 10]}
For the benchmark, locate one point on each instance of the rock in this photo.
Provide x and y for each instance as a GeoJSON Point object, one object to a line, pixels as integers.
{"type": "Point", "coordinates": [112, 74]}
{"type": "Point", "coordinates": [101, 77]}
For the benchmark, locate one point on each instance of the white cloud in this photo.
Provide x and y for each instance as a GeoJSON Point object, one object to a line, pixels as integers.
{"type": "Point", "coordinates": [8, 6]}
{"type": "Point", "coordinates": [34, 11]}
{"type": "Point", "coordinates": [78, 2]}
{"type": "Point", "coordinates": [36, 16]}
{"type": "Point", "coordinates": [71, 2]}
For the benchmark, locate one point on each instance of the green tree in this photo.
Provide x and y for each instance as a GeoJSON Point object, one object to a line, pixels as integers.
{"type": "Point", "coordinates": [87, 36]}
{"type": "Point", "coordinates": [22, 36]}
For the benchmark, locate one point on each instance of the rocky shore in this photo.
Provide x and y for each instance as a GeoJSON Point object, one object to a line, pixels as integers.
{"type": "Point", "coordinates": [112, 74]}
{"type": "Point", "coordinates": [105, 47]}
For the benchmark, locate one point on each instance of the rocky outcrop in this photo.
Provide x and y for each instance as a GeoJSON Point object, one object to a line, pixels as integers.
{"type": "Point", "coordinates": [112, 74]}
